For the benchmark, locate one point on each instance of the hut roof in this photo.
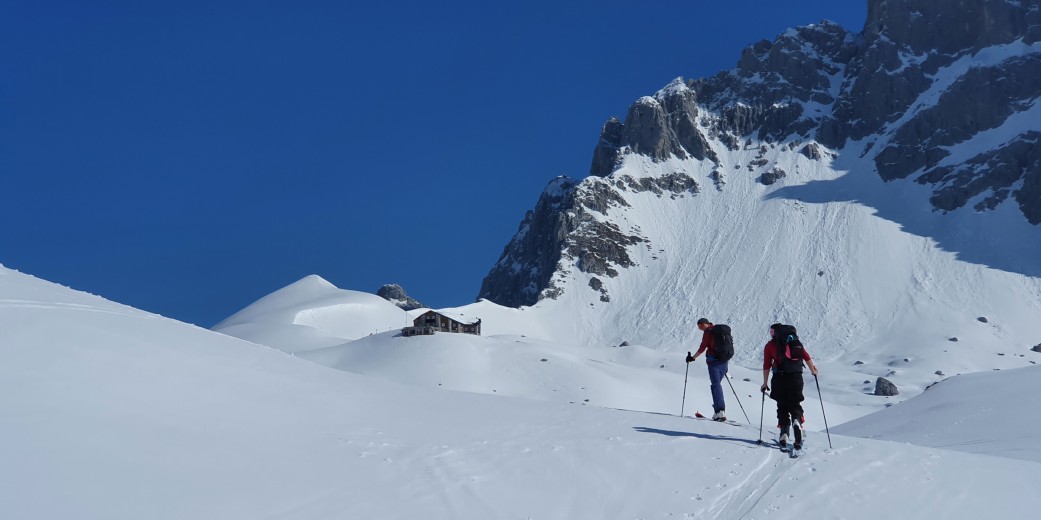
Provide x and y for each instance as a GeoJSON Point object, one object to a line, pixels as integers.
{"type": "Point", "coordinates": [458, 317]}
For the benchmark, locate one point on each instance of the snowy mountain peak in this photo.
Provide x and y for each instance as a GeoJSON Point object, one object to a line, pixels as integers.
{"type": "Point", "coordinates": [676, 86]}
{"type": "Point", "coordinates": [833, 178]}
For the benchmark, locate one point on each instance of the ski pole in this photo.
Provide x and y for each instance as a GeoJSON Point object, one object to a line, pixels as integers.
{"type": "Point", "coordinates": [762, 406]}
{"type": "Point", "coordinates": [684, 403]}
{"type": "Point", "coordinates": [815, 380]}
{"type": "Point", "coordinates": [738, 399]}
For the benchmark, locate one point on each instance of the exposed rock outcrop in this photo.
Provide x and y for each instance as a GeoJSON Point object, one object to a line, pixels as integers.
{"type": "Point", "coordinates": [563, 233]}
{"type": "Point", "coordinates": [885, 387]}
{"type": "Point", "coordinates": [393, 293]}
{"type": "Point", "coordinates": [772, 176]}
{"type": "Point", "coordinates": [821, 83]}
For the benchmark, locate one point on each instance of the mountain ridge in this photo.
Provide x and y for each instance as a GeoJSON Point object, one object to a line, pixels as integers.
{"type": "Point", "coordinates": [880, 102]}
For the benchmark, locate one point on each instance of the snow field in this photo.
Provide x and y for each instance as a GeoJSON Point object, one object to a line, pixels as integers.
{"type": "Point", "coordinates": [114, 413]}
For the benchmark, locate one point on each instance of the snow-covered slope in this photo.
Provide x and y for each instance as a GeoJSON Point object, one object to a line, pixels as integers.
{"type": "Point", "coordinates": [750, 255]}
{"type": "Point", "coordinates": [515, 366]}
{"type": "Point", "coordinates": [112, 413]}
{"type": "Point", "coordinates": [871, 300]}
{"type": "Point", "coordinates": [876, 190]}
{"type": "Point", "coordinates": [312, 313]}
{"type": "Point", "coordinates": [513, 358]}
{"type": "Point", "coordinates": [987, 413]}
{"type": "Point", "coordinates": [630, 378]}
{"type": "Point", "coordinates": [858, 286]}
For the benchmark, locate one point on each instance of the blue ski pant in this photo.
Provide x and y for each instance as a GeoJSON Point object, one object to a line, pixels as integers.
{"type": "Point", "coordinates": [717, 370]}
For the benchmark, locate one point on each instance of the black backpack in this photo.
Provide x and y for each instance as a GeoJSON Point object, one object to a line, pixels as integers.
{"type": "Point", "coordinates": [722, 342]}
{"type": "Point", "coordinates": [789, 350]}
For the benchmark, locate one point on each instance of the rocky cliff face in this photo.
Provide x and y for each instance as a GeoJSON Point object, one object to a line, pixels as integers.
{"type": "Point", "coordinates": [395, 294]}
{"type": "Point", "coordinates": [938, 92]}
{"type": "Point", "coordinates": [567, 230]}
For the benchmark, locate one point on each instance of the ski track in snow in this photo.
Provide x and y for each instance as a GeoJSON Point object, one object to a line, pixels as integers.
{"type": "Point", "coordinates": [747, 494]}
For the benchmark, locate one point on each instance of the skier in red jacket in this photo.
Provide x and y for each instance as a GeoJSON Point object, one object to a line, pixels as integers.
{"type": "Point", "coordinates": [784, 355]}
{"type": "Point", "coordinates": [717, 370]}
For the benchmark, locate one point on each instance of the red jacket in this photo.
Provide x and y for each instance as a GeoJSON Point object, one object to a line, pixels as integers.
{"type": "Point", "coordinates": [708, 343]}
{"type": "Point", "coordinates": [771, 358]}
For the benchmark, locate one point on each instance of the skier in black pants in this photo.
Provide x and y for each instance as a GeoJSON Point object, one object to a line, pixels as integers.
{"type": "Point", "coordinates": [784, 355]}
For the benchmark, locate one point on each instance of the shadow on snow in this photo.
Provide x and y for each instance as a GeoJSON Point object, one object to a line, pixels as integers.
{"type": "Point", "coordinates": [670, 433]}
{"type": "Point", "coordinates": [1001, 239]}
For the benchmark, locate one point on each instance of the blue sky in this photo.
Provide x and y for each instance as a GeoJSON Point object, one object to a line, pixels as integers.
{"type": "Point", "coordinates": [190, 157]}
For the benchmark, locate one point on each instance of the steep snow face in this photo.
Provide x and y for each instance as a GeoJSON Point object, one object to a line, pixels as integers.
{"type": "Point", "coordinates": [753, 254]}
{"type": "Point", "coordinates": [878, 193]}
{"type": "Point", "coordinates": [949, 107]}
{"type": "Point", "coordinates": [821, 248]}
{"type": "Point", "coordinates": [312, 313]}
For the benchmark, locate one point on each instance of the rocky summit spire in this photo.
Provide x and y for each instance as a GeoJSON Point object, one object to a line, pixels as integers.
{"type": "Point", "coordinates": [393, 293]}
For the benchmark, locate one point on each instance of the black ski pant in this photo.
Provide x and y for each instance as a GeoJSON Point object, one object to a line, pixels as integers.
{"type": "Point", "coordinates": [786, 389]}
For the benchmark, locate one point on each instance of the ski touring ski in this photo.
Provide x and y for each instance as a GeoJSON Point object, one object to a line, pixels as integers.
{"type": "Point", "coordinates": [788, 448]}
{"type": "Point", "coordinates": [698, 415]}
{"type": "Point", "coordinates": [791, 451]}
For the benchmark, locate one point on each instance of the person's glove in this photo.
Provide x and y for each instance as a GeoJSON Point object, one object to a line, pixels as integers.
{"type": "Point", "coordinates": [689, 357]}
{"type": "Point", "coordinates": [764, 388]}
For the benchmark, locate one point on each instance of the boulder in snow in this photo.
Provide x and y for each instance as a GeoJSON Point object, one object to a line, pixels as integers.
{"type": "Point", "coordinates": [812, 152]}
{"type": "Point", "coordinates": [885, 387]}
{"type": "Point", "coordinates": [772, 176]}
